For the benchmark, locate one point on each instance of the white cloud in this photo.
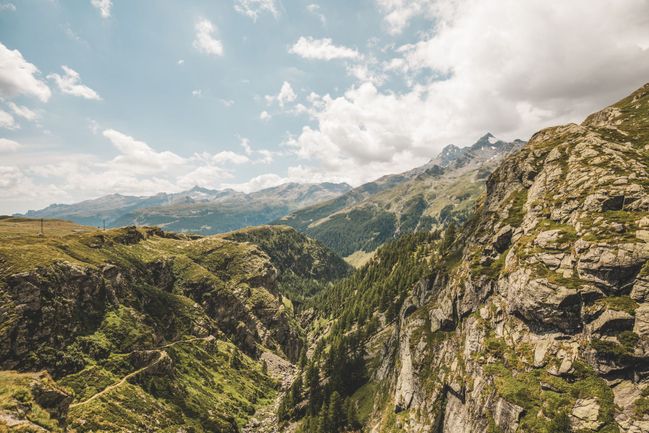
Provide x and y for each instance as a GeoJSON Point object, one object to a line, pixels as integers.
{"type": "Point", "coordinates": [23, 111]}
{"type": "Point", "coordinates": [257, 183]}
{"type": "Point", "coordinates": [205, 176]}
{"type": "Point", "coordinates": [7, 121]}
{"type": "Point", "coordinates": [267, 156]}
{"type": "Point", "coordinates": [229, 157]}
{"type": "Point", "coordinates": [204, 40]}
{"type": "Point", "coordinates": [510, 73]}
{"type": "Point", "coordinates": [254, 8]}
{"type": "Point", "coordinates": [367, 73]}
{"type": "Point", "coordinates": [38, 179]}
{"type": "Point", "coordinates": [7, 145]}
{"type": "Point", "coordinates": [364, 134]}
{"type": "Point", "coordinates": [10, 177]}
{"type": "Point", "coordinates": [322, 49]}
{"type": "Point", "coordinates": [103, 6]}
{"type": "Point", "coordinates": [286, 94]}
{"type": "Point", "coordinates": [197, 93]}
{"type": "Point", "coordinates": [265, 116]}
{"type": "Point", "coordinates": [70, 84]}
{"type": "Point", "coordinates": [227, 102]}
{"type": "Point", "coordinates": [245, 143]}
{"type": "Point", "coordinates": [315, 10]}
{"type": "Point", "coordinates": [19, 77]}
{"type": "Point", "coordinates": [138, 157]}
{"type": "Point", "coordinates": [180, 61]}
{"type": "Point", "coordinates": [7, 7]}
{"type": "Point", "coordinates": [399, 13]}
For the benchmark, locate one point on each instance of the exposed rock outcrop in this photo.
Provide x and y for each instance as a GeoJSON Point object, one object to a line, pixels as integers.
{"type": "Point", "coordinates": [545, 318]}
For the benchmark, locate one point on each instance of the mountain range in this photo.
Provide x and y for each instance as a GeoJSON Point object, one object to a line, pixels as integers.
{"type": "Point", "coordinates": [199, 210]}
{"type": "Point", "coordinates": [352, 222]}
{"type": "Point", "coordinates": [442, 191]}
{"type": "Point", "coordinates": [524, 308]}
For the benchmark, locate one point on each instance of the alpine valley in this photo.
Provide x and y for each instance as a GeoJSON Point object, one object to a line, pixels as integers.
{"type": "Point", "coordinates": [501, 287]}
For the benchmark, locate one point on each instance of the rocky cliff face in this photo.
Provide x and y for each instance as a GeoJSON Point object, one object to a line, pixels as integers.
{"type": "Point", "coordinates": [538, 321]}
{"type": "Point", "coordinates": [145, 330]}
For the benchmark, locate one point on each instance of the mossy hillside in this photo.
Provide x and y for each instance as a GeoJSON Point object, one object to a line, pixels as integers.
{"type": "Point", "coordinates": [543, 396]}
{"type": "Point", "coordinates": [214, 376]}
{"type": "Point", "coordinates": [26, 251]}
{"type": "Point", "coordinates": [634, 110]}
{"type": "Point", "coordinates": [204, 390]}
{"type": "Point", "coordinates": [160, 282]}
{"type": "Point", "coordinates": [18, 401]}
{"type": "Point", "coordinates": [304, 265]}
{"type": "Point", "coordinates": [428, 201]}
{"type": "Point", "coordinates": [291, 251]}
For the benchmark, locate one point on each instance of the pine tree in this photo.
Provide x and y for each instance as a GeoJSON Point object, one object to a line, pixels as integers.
{"type": "Point", "coordinates": [351, 417]}
{"type": "Point", "coordinates": [449, 237]}
{"type": "Point", "coordinates": [282, 410]}
{"type": "Point", "coordinates": [323, 422]}
{"type": "Point", "coordinates": [302, 360]}
{"type": "Point", "coordinates": [235, 359]}
{"type": "Point", "coordinates": [335, 414]}
{"type": "Point", "coordinates": [296, 390]}
{"type": "Point", "coordinates": [313, 381]}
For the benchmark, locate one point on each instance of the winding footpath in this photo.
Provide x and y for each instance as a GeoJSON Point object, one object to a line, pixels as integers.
{"type": "Point", "coordinates": [162, 355]}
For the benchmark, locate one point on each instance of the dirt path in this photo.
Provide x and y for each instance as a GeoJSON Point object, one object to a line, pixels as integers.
{"type": "Point", "coordinates": [161, 356]}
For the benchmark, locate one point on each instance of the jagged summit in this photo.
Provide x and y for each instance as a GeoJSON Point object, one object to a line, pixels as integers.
{"type": "Point", "coordinates": [448, 154]}
{"type": "Point", "coordinates": [197, 188]}
{"type": "Point", "coordinates": [534, 317]}
{"type": "Point", "coordinates": [433, 195]}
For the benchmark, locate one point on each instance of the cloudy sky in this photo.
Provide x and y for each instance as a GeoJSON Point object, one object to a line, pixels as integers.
{"type": "Point", "coordinates": [138, 97]}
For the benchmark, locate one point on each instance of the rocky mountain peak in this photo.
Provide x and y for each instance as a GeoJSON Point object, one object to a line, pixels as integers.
{"type": "Point", "coordinates": [551, 296]}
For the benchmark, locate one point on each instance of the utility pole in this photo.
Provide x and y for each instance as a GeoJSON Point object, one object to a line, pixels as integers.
{"type": "Point", "coordinates": [104, 222]}
{"type": "Point", "coordinates": [42, 232]}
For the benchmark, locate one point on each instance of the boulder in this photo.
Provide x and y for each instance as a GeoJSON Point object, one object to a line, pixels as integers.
{"type": "Point", "coordinates": [548, 239]}
{"type": "Point", "coordinates": [585, 413]}
{"type": "Point", "coordinates": [506, 415]}
{"type": "Point", "coordinates": [503, 239]}
{"type": "Point", "coordinates": [544, 305]}
{"type": "Point", "coordinates": [611, 322]}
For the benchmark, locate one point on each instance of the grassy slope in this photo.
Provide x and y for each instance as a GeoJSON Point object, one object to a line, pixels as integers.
{"type": "Point", "coordinates": [418, 204]}
{"type": "Point", "coordinates": [209, 385]}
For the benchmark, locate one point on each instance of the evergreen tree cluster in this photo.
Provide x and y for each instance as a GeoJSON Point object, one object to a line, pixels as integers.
{"type": "Point", "coordinates": [382, 285]}
{"type": "Point", "coordinates": [358, 306]}
{"type": "Point", "coordinates": [322, 389]}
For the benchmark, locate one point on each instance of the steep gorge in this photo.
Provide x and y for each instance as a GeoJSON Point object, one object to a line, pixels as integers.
{"type": "Point", "coordinates": [145, 330]}
{"type": "Point", "coordinates": [534, 317]}
{"type": "Point", "coordinates": [531, 317]}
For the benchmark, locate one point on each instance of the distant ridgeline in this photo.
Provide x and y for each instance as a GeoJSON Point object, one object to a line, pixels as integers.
{"type": "Point", "coordinates": [198, 210]}
{"type": "Point", "coordinates": [443, 191]}
{"type": "Point", "coordinates": [352, 222]}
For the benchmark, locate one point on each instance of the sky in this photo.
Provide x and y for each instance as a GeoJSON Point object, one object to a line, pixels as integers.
{"type": "Point", "coordinates": [140, 97]}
